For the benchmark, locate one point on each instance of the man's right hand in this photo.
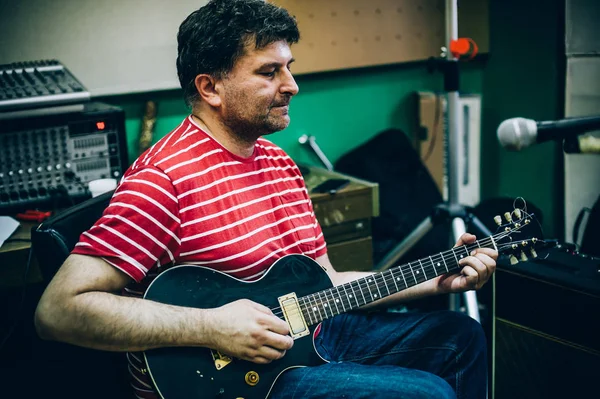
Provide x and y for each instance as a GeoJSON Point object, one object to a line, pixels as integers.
{"type": "Point", "coordinates": [249, 331]}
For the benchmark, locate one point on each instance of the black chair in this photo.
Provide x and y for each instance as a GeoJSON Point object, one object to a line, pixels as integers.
{"type": "Point", "coordinates": [70, 371]}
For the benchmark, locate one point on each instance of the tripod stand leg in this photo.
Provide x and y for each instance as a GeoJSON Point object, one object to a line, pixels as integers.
{"type": "Point", "coordinates": [470, 297]}
{"type": "Point", "coordinates": [392, 257]}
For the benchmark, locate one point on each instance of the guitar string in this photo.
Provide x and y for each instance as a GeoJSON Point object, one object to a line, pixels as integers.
{"type": "Point", "coordinates": [381, 281]}
{"type": "Point", "coordinates": [385, 279]}
{"type": "Point", "coordinates": [330, 295]}
{"type": "Point", "coordinates": [364, 282]}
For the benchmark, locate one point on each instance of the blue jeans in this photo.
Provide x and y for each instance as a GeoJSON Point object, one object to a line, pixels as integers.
{"type": "Point", "coordinates": [393, 355]}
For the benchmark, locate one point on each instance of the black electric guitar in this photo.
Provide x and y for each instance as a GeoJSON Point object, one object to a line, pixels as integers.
{"type": "Point", "coordinates": [298, 291]}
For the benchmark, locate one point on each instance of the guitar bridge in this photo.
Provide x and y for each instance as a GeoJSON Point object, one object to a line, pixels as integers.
{"type": "Point", "coordinates": [293, 315]}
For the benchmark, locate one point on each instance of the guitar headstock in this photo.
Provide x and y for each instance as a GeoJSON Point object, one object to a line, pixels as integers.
{"type": "Point", "coordinates": [518, 236]}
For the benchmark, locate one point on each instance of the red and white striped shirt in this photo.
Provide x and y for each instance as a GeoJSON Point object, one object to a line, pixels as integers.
{"type": "Point", "coordinates": [189, 200]}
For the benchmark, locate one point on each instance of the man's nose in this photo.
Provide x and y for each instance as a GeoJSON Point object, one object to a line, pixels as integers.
{"type": "Point", "coordinates": [289, 85]}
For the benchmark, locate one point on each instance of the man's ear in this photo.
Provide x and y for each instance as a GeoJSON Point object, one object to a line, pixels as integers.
{"type": "Point", "coordinates": [208, 89]}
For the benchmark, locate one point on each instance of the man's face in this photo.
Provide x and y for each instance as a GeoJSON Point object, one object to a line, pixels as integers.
{"type": "Point", "coordinates": [258, 90]}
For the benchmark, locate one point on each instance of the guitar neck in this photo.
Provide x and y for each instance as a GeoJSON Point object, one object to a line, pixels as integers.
{"type": "Point", "coordinates": [343, 298]}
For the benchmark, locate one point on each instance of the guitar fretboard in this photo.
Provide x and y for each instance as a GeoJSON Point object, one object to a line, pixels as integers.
{"type": "Point", "coordinates": [343, 298]}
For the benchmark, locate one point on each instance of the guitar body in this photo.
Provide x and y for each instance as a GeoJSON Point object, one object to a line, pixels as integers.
{"type": "Point", "coordinates": [192, 372]}
{"type": "Point", "coordinates": [183, 373]}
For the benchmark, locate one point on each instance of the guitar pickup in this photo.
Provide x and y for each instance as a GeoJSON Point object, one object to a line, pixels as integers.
{"type": "Point", "coordinates": [293, 315]}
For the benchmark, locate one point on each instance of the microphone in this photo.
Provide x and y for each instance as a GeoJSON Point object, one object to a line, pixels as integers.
{"type": "Point", "coordinates": [518, 133]}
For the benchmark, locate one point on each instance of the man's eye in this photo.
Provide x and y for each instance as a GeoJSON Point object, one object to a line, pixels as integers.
{"type": "Point", "coordinates": [269, 74]}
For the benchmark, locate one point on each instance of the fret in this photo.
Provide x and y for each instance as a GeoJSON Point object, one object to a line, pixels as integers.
{"type": "Point", "coordinates": [445, 264]}
{"type": "Point", "coordinates": [413, 273]}
{"type": "Point", "coordinates": [307, 314]}
{"type": "Point", "coordinates": [335, 301]}
{"type": "Point", "coordinates": [369, 288]}
{"type": "Point", "coordinates": [466, 250]}
{"type": "Point", "coordinates": [477, 242]}
{"type": "Point", "coordinates": [424, 274]}
{"type": "Point", "coordinates": [377, 285]}
{"type": "Point", "coordinates": [453, 253]}
{"type": "Point", "coordinates": [386, 286]}
{"type": "Point", "coordinates": [340, 296]}
{"type": "Point", "coordinates": [403, 278]}
{"type": "Point", "coordinates": [354, 294]}
{"type": "Point", "coordinates": [324, 305]}
{"type": "Point", "coordinates": [347, 296]}
{"type": "Point", "coordinates": [316, 308]}
{"type": "Point", "coordinates": [361, 291]}
{"type": "Point", "coordinates": [394, 280]}
{"type": "Point", "coordinates": [434, 266]}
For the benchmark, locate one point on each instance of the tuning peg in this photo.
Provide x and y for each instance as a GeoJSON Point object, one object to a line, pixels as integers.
{"type": "Point", "coordinates": [513, 260]}
{"type": "Point", "coordinates": [517, 213]}
{"type": "Point", "coordinates": [524, 257]}
{"type": "Point", "coordinates": [508, 217]}
{"type": "Point", "coordinates": [498, 220]}
{"type": "Point", "coordinates": [533, 253]}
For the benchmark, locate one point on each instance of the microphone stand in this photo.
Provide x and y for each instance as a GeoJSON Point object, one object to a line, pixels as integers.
{"type": "Point", "coordinates": [450, 211]}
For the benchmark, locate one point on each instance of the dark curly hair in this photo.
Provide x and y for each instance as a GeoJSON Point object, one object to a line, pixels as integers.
{"type": "Point", "coordinates": [212, 38]}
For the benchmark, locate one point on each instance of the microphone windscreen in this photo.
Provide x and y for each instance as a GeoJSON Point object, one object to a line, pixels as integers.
{"type": "Point", "coordinates": [517, 133]}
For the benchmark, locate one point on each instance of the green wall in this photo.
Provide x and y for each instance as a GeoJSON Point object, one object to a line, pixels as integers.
{"type": "Point", "coordinates": [341, 109]}
{"type": "Point", "coordinates": [522, 76]}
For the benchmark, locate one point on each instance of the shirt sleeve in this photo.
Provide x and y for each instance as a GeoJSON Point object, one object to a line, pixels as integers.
{"type": "Point", "coordinates": [140, 228]}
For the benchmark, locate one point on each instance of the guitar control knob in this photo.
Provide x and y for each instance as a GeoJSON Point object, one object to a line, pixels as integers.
{"type": "Point", "coordinates": [251, 378]}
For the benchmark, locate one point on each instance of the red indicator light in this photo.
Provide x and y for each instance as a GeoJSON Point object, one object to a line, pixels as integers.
{"type": "Point", "coordinates": [100, 125]}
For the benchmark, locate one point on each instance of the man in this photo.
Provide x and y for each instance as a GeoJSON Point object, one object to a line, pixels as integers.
{"type": "Point", "coordinates": [215, 193]}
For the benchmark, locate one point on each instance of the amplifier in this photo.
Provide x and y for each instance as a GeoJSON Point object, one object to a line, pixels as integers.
{"type": "Point", "coordinates": [48, 155]}
{"type": "Point", "coordinates": [547, 336]}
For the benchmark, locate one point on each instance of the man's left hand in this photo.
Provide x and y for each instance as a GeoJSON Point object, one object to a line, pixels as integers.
{"type": "Point", "coordinates": [477, 269]}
